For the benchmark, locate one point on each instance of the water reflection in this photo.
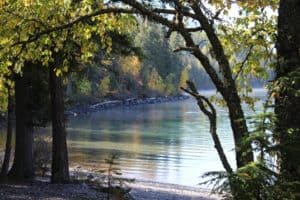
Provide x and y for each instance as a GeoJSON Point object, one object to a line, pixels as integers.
{"type": "Point", "coordinates": [165, 142]}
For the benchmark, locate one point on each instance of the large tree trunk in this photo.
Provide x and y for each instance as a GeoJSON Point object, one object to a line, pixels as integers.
{"type": "Point", "coordinates": [239, 128]}
{"type": "Point", "coordinates": [22, 168]}
{"type": "Point", "coordinates": [8, 145]}
{"type": "Point", "coordinates": [60, 165]}
{"type": "Point", "coordinates": [287, 102]}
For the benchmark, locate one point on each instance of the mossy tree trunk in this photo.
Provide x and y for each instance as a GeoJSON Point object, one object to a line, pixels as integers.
{"type": "Point", "coordinates": [287, 103]}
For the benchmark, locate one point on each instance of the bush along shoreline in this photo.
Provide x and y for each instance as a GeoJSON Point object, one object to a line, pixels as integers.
{"type": "Point", "coordinates": [130, 102]}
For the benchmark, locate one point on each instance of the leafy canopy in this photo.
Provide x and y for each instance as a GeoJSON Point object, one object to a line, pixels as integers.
{"type": "Point", "coordinates": [35, 30]}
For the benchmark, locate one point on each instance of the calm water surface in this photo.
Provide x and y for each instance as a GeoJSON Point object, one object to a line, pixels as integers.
{"type": "Point", "coordinates": [164, 142]}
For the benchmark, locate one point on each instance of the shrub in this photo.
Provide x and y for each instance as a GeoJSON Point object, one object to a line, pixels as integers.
{"type": "Point", "coordinates": [110, 182]}
{"type": "Point", "coordinates": [252, 182]}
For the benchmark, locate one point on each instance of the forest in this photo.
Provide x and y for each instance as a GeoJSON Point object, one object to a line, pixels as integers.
{"type": "Point", "coordinates": [125, 80]}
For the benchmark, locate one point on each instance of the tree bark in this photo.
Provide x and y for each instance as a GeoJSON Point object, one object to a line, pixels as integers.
{"type": "Point", "coordinates": [287, 102]}
{"type": "Point", "coordinates": [22, 168]}
{"type": "Point", "coordinates": [244, 154]}
{"type": "Point", "coordinates": [60, 165]}
{"type": "Point", "coordinates": [8, 145]}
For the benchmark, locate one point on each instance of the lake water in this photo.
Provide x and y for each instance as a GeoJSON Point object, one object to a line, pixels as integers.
{"type": "Point", "coordinates": [167, 142]}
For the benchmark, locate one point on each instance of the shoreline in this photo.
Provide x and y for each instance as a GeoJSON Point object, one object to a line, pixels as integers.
{"type": "Point", "coordinates": [151, 190]}
{"type": "Point", "coordinates": [42, 189]}
{"type": "Point", "coordinates": [123, 103]}
{"type": "Point", "coordinates": [145, 190]}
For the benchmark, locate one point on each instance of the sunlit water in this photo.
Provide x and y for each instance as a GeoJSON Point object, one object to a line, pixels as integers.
{"type": "Point", "coordinates": [167, 142]}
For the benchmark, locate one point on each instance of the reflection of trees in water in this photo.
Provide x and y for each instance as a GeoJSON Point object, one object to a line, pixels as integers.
{"type": "Point", "coordinates": [162, 142]}
{"type": "Point", "coordinates": [151, 125]}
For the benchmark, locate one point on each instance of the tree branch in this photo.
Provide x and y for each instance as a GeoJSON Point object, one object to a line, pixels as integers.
{"type": "Point", "coordinates": [174, 12]}
{"type": "Point", "coordinates": [189, 49]}
{"type": "Point", "coordinates": [212, 116]}
{"type": "Point", "coordinates": [80, 19]}
{"type": "Point", "coordinates": [244, 62]}
{"type": "Point", "coordinates": [216, 44]}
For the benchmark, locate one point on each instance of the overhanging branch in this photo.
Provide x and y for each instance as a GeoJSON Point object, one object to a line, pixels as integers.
{"type": "Point", "coordinates": [189, 49]}
{"type": "Point", "coordinates": [80, 19]}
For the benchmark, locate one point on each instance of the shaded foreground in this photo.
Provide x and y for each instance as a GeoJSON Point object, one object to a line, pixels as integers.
{"type": "Point", "coordinates": [140, 191]}
{"type": "Point", "coordinates": [46, 191]}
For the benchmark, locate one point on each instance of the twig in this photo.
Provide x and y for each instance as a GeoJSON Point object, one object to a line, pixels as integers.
{"type": "Point", "coordinates": [244, 62]}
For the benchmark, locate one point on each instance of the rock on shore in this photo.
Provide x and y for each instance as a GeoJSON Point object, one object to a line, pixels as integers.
{"type": "Point", "coordinates": [104, 105]}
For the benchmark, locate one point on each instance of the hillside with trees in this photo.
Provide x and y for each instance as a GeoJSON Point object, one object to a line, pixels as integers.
{"type": "Point", "coordinates": [148, 68]}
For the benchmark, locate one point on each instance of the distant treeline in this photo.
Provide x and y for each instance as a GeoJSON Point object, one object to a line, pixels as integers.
{"type": "Point", "coordinates": [148, 67]}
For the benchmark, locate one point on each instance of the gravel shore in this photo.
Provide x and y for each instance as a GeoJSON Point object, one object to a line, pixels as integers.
{"type": "Point", "coordinates": [46, 191]}
{"type": "Point", "coordinates": [144, 190]}
{"type": "Point", "coordinates": [40, 190]}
